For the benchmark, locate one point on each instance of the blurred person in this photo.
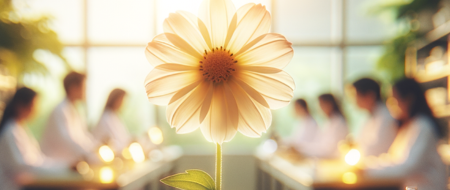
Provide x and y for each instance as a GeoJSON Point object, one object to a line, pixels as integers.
{"type": "Point", "coordinates": [305, 129]}
{"type": "Point", "coordinates": [413, 156]}
{"type": "Point", "coordinates": [334, 130]}
{"type": "Point", "coordinates": [379, 131]}
{"type": "Point", "coordinates": [110, 129]}
{"type": "Point", "coordinates": [66, 135]}
{"type": "Point", "coordinates": [20, 153]}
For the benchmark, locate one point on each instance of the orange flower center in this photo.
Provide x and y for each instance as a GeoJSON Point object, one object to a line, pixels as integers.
{"type": "Point", "coordinates": [217, 65]}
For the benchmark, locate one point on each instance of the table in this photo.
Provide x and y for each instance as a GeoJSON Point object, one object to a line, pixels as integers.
{"type": "Point", "coordinates": [145, 175]}
{"type": "Point", "coordinates": [277, 173]}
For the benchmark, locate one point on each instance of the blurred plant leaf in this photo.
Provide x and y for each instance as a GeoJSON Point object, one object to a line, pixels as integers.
{"type": "Point", "coordinates": [22, 37]}
{"type": "Point", "coordinates": [393, 60]}
{"type": "Point", "coordinates": [191, 180]}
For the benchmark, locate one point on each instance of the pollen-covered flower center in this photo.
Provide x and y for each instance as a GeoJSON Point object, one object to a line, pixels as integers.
{"type": "Point", "coordinates": [217, 65]}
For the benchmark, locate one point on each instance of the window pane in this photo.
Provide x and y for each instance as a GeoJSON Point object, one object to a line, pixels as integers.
{"type": "Point", "coordinates": [116, 21]}
{"type": "Point", "coordinates": [311, 69]}
{"type": "Point", "coordinates": [125, 68]}
{"type": "Point", "coordinates": [363, 26]}
{"type": "Point", "coordinates": [361, 62]}
{"type": "Point", "coordinates": [304, 21]}
{"type": "Point", "coordinates": [67, 16]}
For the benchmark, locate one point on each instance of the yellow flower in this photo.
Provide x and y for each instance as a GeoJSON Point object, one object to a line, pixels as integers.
{"type": "Point", "coordinates": [221, 71]}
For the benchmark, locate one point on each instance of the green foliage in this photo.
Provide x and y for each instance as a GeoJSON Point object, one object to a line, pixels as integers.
{"type": "Point", "coordinates": [393, 60]}
{"type": "Point", "coordinates": [191, 180]}
{"type": "Point", "coordinates": [20, 37]}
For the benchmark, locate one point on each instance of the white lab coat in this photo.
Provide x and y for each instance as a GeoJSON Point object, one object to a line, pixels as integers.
{"type": "Point", "coordinates": [326, 142]}
{"type": "Point", "coordinates": [111, 130]}
{"type": "Point", "coordinates": [304, 133]}
{"type": "Point", "coordinates": [378, 133]}
{"type": "Point", "coordinates": [66, 137]}
{"type": "Point", "coordinates": [413, 158]}
{"type": "Point", "coordinates": [20, 153]}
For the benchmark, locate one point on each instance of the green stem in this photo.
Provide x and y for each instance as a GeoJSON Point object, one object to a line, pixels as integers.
{"type": "Point", "coordinates": [218, 166]}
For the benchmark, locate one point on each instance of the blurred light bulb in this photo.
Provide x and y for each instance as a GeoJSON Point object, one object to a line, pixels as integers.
{"type": "Point", "coordinates": [126, 153]}
{"type": "Point", "coordinates": [106, 175]}
{"type": "Point", "coordinates": [137, 153]}
{"type": "Point", "coordinates": [155, 134]}
{"type": "Point", "coordinates": [270, 146]}
{"type": "Point", "coordinates": [352, 157]}
{"type": "Point", "coordinates": [106, 153]}
{"type": "Point", "coordinates": [83, 167]}
{"type": "Point", "coordinates": [349, 178]}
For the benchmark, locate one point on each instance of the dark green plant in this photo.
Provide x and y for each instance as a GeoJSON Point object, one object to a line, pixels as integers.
{"type": "Point", "coordinates": [20, 37]}
{"type": "Point", "coordinates": [392, 62]}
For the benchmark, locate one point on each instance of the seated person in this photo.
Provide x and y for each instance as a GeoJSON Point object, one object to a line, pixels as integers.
{"type": "Point", "coordinates": [20, 153]}
{"type": "Point", "coordinates": [335, 130]}
{"type": "Point", "coordinates": [305, 129]}
{"type": "Point", "coordinates": [413, 156]}
{"type": "Point", "coordinates": [379, 131]}
{"type": "Point", "coordinates": [66, 136]}
{"type": "Point", "coordinates": [110, 129]}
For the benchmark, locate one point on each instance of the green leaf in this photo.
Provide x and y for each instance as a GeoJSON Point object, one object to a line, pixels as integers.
{"type": "Point", "coordinates": [191, 180]}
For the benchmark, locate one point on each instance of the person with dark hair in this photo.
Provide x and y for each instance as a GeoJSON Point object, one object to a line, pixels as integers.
{"type": "Point", "coordinates": [334, 130]}
{"type": "Point", "coordinates": [305, 129]}
{"type": "Point", "coordinates": [379, 131]}
{"type": "Point", "coordinates": [66, 135]}
{"type": "Point", "coordinates": [110, 129]}
{"type": "Point", "coordinates": [414, 156]}
{"type": "Point", "coordinates": [20, 153]}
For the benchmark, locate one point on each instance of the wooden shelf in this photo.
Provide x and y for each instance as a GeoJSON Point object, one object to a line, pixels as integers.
{"type": "Point", "coordinates": [426, 76]}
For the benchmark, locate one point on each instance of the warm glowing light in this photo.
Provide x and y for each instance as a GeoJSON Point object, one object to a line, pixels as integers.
{"type": "Point", "coordinates": [137, 153]}
{"type": "Point", "coordinates": [126, 154]}
{"type": "Point", "coordinates": [156, 135]}
{"type": "Point", "coordinates": [106, 175]}
{"type": "Point", "coordinates": [349, 178]}
{"type": "Point", "coordinates": [270, 146]}
{"type": "Point", "coordinates": [83, 168]}
{"type": "Point", "coordinates": [352, 157]}
{"type": "Point", "coordinates": [106, 153]}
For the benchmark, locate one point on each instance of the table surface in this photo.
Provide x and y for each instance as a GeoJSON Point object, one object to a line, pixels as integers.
{"type": "Point", "coordinates": [316, 174]}
{"type": "Point", "coordinates": [130, 176]}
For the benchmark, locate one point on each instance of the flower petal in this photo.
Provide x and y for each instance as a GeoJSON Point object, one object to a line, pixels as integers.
{"type": "Point", "coordinates": [276, 50]}
{"type": "Point", "coordinates": [254, 119]}
{"type": "Point", "coordinates": [184, 25]}
{"type": "Point", "coordinates": [221, 123]}
{"type": "Point", "coordinates": [251, 92]}
{"type": "Point", "coordinates": [253, 23]}
{"type": "Point", "coordinates": [162, 83]}
{"type": "Point", "coordinates": [160, 50]}
{"type": "Point", "coordinates": [217, 15]}
{"type": "Point", "coordinates": [183, 113]}
{"type": "Point", "coordinates": [276, 88]}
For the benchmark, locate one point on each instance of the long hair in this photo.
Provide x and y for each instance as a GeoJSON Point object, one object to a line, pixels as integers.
{"type": "Point", "coordinates": [409, 88]}
{"type": "Point", "coordinates": [23, 97]}
{"type": "Point", "coordinates": [329, 98]}
{"type": "Point", "coordinates": [113, 97]}
{"type": "Point", "coordinates": [303, 104]}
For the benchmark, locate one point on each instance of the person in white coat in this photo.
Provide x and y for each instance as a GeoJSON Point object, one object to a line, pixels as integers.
{"type": "Point", "coordinates": [66, 136]}
{"type": "Point", "coordinates": [305, 129]}
{"type": "Point", "coordinates": [377, 134]}
{"type": "Point", "coordinates": [21, 157]}
{"type": "Point", "coordinates": [335, 129]}
{"type": "Point", "coordinates": [110, 129]}
{"type": "Point", "coordinates": [413, 156]}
